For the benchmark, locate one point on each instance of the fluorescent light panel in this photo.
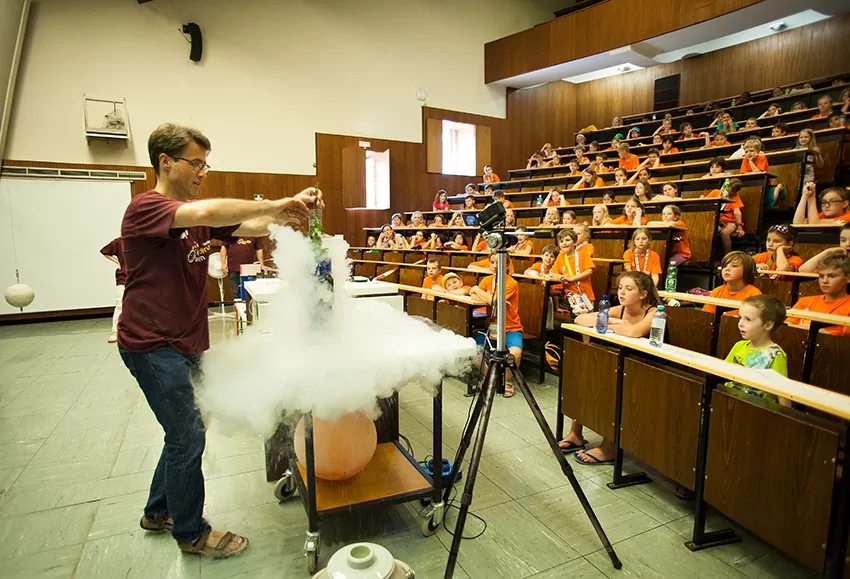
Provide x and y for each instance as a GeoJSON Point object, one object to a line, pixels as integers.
{"type": "Point", "coordinates": [793, 21]}
{"type": "Point", "coordinates": [603, 73]}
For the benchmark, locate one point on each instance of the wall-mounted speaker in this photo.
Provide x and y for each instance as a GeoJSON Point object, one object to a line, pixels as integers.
{"type": "Point", "coordinates": [194, 32]}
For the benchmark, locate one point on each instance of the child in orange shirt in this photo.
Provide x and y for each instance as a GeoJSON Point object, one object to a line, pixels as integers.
{"type": "Point", "coordinates": [418, 219]}
{"type": "Point", "coordinates": [628, 161]}
{"type": "Point", "coordinates": [454, 285]}
{"type": "Point", "coordinates": [718, 141]}
{"type": "Point", "coordinates": [484, 264]}
{"type": "Point", "coordinates": [643, 190]}
{"type": "Point", "coordinates": [731, 219]}
{"type": "Point", "coordinates": [522, 245]}
{"type": "Point", "coordinates": [574, 168]}
{"type": "Point", "coordinates": [633, 214]}
{"type": "Point", "coordinates": [667, 147]}
{"type": "Point", "coordinates": [600, 215]}
{"type": "Point", "coordinates": [579, 153]}
{"type": "Point", "coordinates": [754, 160]}
{"type": "Point", "coordinates": [572, 267]}
{"type": "Point", "coordinates": [780, 254]}
{"type": "Point", "coordinates": [639, 257]}
{"type": "Point", "coordinates": [479, 244]}
{"type": "Point", "coordinates": [489, 175]}
{"type": "Point", "coordinates": [457, 243]}
{"type": "Point", "coordinates": [738, 270]}
{"type": "Point", "coordinates": [681, 250]}
{"type": "Point", "coordinates": [824, 107]}
{"type": "Point", "coordinates": [485, 291]}
{"type": "Point", "coordinates": [433, 277]}
{"type": "Point", "coordinates": [608, 197]}
{"type": "Point", "coordinates": [835, 204]}
{"type": "Point", "coordinates": [620, 177]}
{"type": "Point", "coordinates": [583, 238]}
{"type": "Point", "coordinates": [555, 198]}
{"type": "Point", "coordinates": [833, 277]}
{"type": "Point", "coordinates": [543, 267]}
{"type": "Point", "coordinates": [599, 164]}
{"type": "Point", "coordinates": [633, 319]}
{"type": "Point", "coordinates": [811, 266]}
{"type": "Point", "coordinates": [569, 218]}
{"type": "Point", "coordinates": [552, 218]}
{"type": "Point", "coordinates": [499, 197]}
{"type": "Point", "coordinates": [588, 180]}
{"type": "Point", "coordinates": [666, 128]}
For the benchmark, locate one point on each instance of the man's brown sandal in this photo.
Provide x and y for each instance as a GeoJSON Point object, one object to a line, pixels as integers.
{"type": "Point", "coordinates": [200, 546]}
{"type": "Point", "coordinates": [164, 524]}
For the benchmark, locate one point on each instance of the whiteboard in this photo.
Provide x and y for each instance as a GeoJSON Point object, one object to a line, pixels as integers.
{"type": "Point", "coordinates": [52, 231]}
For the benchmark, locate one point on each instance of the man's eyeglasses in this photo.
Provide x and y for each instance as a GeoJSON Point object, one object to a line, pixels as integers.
{"type": "Point", "coordinates": [196, 164]}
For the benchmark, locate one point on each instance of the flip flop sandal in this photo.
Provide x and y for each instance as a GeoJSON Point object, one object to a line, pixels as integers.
{"type": "Point", "coordinates": [164, 524]}
{"type": "Point", "coordinates": [590, 460]}
{"type": "Point", "coordinates": [509, 391]}
{"type": "Point", "coordinates": [684, 493]}
{"type": "Point", "coordinates": [200, 546]}
{"type": "Point", "coordinates": [571, 446]}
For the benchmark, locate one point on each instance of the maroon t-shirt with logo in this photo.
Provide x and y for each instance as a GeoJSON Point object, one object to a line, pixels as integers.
{"type": "Point", "coordinates": [165, 295]}
{"type": "Point", "coordinates": [243, 251]}
{"type": "Point", "coordinates": [116, 249]}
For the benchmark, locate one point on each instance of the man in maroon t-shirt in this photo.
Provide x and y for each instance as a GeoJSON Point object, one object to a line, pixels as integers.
{"type": "Point", "coordinates": [163, 329]}
{"type": "Point", "coordinates": [114, 252]}
{"type": "Point", "coordinates": [245, 250]}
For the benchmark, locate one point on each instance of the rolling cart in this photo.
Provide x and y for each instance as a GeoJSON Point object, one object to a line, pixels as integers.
{"type": "Point", "coordinates": [392, 477]}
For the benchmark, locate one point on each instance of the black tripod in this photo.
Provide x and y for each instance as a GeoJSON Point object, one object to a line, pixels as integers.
{"type": "Point", "coordinates": [494, 382]}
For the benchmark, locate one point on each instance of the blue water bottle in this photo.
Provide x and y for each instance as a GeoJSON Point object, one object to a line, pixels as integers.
{"type": "Point", "coordinates": [602, 315]}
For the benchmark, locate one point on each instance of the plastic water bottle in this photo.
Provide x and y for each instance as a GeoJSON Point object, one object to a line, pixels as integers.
{"type": "Point", "coordinates": [724, 189]}
{"type": "Point", "coordinates": [670, 282]}
{"type": "Point", "coordinates": [540, 200]}
{"type": "Point", "coordinates": [659, 323]}
{"type": "Point", "coordinates": [602, 315]}
{"type": "Point", "coordinates": [734, 102]}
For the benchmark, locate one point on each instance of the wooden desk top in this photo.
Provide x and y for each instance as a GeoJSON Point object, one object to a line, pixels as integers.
{"type": "Point", "coordinates": [446, 296]}
{"type": "Point", "coordinates": [829, 319]}
{"type": "Point", "coordinates": [651, 202]}
{"type": "Point", "coordinates": [767, 380]}
{"type": "Point", "coordinates": [481, 253]}
{"type": "Point", "coordinates": [801, 274]}
{"type": "Point", "coordinates": [816, 226]}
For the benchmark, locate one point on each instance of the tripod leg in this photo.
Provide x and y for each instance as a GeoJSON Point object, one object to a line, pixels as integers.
{"type": "Point", "coordinates": [519, 379]}
{"type": "Point", "coordinates": [495, 377]}
{"type": "Point", "coordinates": [466, 437]}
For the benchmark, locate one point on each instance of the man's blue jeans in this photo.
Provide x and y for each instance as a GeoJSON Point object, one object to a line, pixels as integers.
{"type": "Point", "coordinates": [165, 377]}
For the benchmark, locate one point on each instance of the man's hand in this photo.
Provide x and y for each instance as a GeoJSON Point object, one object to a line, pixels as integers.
{"type": "Point", "coordinates": [311, 196]}
{"type": "Point", "coordinates": [291, 212]}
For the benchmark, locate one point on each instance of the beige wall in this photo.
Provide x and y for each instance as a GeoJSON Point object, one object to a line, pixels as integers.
{"type": "Point", "coordinates": [274, 72]}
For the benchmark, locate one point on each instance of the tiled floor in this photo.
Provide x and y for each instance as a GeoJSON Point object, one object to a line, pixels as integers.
{"type": "Point", "coordinates": [78, 445]}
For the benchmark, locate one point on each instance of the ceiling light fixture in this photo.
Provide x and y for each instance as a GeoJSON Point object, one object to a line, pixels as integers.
{"type": "Point", "coordinates": [603, 73]}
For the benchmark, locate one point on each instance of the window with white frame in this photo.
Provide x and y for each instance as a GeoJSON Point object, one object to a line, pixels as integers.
{"type": "Point", "coordinates": [378, 179]}
{"type": "Point", "coordinates": [458, 148]}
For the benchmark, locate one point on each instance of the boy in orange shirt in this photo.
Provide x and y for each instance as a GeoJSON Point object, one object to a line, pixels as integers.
{"type": "Point", "coordinates": [639, 257]}
{"type": "Point", "coordinates": [738, 270]}
{"type": "Point", "coordinates": [499, 196]}
{"type": "Point", "coordinates": [833, 277]}
{"type": "Point", "coordinates": [718, 141]}
{"type": "Point", "coordinates": [433, 277]}
{"type": "Point", "coordinates": [544, 267]}
{"type": "Point", "coordinates": [780, 254]}
{"type": "Point", "coordinates": [572, 267]}
{"type": "Point", "coordinates": [731, 219]}
{"type": "Point", "coordinates": [599, 164]}
{"type": "Point", "coordinates": [489, 175]}
{"type": "Point", "coordinates": [485, 291]}
{"type": "Point", "coordinates": [754, 159]}
{"type": "Point", "coordinates": [454, 285]}
{"type": "Point", "coordinates": [628, 161]}
{"type": "Point", "coordinates": [824, 107]}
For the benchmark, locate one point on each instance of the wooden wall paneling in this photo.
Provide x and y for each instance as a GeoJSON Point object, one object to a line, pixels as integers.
{"type": "Point", "coordinates": [411, 276]}
{"type": "Point", "coordinates": [598, 28]}
{"type": "Point", "coordinates": [660, 422]}
{"type": "Point", "coordinates": [434, 145]}
{"type": "Point", "coordinates": [416, 306]}
{"type": "Point", "coordinates": [531, 308]}
{"type": "Point", "coordinates": [752, 198]}
{"type": "Point", "coordinates": [589, 385]}
{"type": "Point", "coordinates": [353, 177]}
{"type": "Point", "coordinates": [772, 472]}
{"type": "Point", "coordinates": [828, 369]}
{"type": "Point", "coordinates": [701, 232]}
{"type": "Point", "coordinates": [482, 147]}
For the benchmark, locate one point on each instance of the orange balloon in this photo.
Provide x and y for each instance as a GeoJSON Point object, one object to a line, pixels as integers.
{"type": "Point", "coordinates": [341, 448]}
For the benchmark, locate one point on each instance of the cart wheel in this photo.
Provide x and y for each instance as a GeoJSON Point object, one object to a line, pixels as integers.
{"type": "Point", "coordinates": [428, 527]}
{"type": "Point", "coordinates": [312, 559]}
{"type": "Point", "coordinates": [285, 487]}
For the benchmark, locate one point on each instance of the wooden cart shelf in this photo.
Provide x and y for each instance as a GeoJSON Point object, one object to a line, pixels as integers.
{"type": "Point", "coordinates": [389, 474]}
